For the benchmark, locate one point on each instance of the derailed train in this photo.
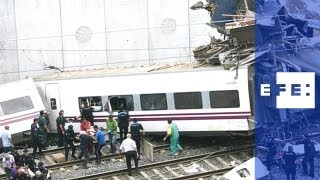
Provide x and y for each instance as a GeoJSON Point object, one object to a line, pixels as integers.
{"type": "Point", "coordinates": [201, 100]}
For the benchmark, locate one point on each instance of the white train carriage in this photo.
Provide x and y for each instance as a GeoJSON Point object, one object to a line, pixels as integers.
{"type": "Point", "coordinates": [20, 103]}
{"type": "Point", "coordinates": [199, 100]}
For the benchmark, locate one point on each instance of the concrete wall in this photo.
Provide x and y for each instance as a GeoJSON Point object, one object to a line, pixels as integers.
{"type": "Point", "coordinates": [86, 34]}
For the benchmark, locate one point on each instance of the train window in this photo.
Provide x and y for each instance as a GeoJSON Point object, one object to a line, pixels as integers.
{"type": "Point", "coordinates": [16, 105]}
{"type": "Point", "coordinates": [117, 100]}
{"type": "Point", "coordinates": [224, 99]}
{"type": "Point", "coordinates": [53, 103]}
{"type": "Point", "coordinates": [188, 100]}
{"type": "Point", "coordinates": [153, 101]}
{"type": "Point", "coordinates": [93, 101]}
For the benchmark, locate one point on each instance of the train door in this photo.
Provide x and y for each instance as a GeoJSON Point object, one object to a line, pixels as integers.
{"type": "Point", "coordinates": [52, 95]}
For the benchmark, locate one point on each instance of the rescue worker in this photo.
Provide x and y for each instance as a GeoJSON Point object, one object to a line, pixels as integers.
{"type": "Point", "coordinates": [85, 140]}
{"type": "Point", "coordinates": [36, 137]}
{"type": "Point", "coordinates": [135, 130]}
{"type": "Point", "coordinates": [43, 129]}
{"type": "Point", "coordinates": [129, 147]}
{"type": "Point", "coordinates": [68, 142]}
{"type": "Point", "coordinates": [309, 153]}
{"type": "Point", "coordinates": [271, 152]}
{"type": "Point", "coordinates": [112, 133]}
{"type": "Point", "coordinates": [123, 122]}
{"type": "Point", "coordinates": [173, 132]}
{"type": "Point", "coordinates": [6, 139]}
{"type": "Point", "coordinates": [87, 112]}
{"type": "Point", "coordinates": [101, 142]}
{"type": "Point", "coordinates": [60, 121]}
{"type": "Point", "coordinates": [290, 163]}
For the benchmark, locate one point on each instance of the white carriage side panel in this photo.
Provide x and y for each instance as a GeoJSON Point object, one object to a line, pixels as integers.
{"type": "Point", "coordinates": [15, 94]}
{"type": "Point", "coordinates": [164, 82]}
{"type": "Point", "coordinates": [221, 125]}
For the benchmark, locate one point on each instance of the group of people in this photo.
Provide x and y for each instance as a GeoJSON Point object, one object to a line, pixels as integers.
{"type": "Point", "coordinates": [289, 157]}
{"type": "Point", "coordinates": [130, 142]}
{"type": "Point", "coordinates": [39, 133]}
{"type": "Point", "coordinates": [23, 167]}
{"type": "Point", "coordinates": [130, 146]}
{"type": "Point", "coordinates": [90, 133]}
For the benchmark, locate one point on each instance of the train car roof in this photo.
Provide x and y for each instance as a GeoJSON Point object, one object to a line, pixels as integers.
{"type": "Point", "coordinates": [110, 71]}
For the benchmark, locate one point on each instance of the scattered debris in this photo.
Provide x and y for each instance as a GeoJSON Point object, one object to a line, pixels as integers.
{"type": "Point", "coordinates": [192, 169]}
{"type": "Point", "coordinates": [62, 169]}
{"type": "Point", "coordinates": [251, 169]}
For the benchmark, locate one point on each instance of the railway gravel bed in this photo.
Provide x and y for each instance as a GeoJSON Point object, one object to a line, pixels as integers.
{"type": "Point", "coordinates": [119, 163]}
{"type": "Point", "coordinates": [181, 167]}
{"type": "Point", "coordinates": [192, 146]}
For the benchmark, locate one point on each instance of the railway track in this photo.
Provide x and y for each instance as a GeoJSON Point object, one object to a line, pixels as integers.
{"type": "Point", "coordinates": [210, 165]}
{"type": "Point", "coordinates": [53, 167]}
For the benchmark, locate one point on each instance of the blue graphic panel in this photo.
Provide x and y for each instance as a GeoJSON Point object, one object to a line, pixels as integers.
{"type": "Point", "coordinates": [287, 87]}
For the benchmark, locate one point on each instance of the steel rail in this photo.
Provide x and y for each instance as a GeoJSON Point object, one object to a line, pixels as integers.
{"type": "Point", "coordinates": [169, 162]}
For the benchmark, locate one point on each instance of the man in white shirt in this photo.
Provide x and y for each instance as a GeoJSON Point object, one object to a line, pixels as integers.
{"type": "Point", "coordinates": [6, 139]}
{"type": "Point", "coordinates": [129, 147]}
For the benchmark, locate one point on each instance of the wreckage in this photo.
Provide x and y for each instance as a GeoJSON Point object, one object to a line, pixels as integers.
{"type": "Point", "coordinates": [270, 36]}
{"type": "Point", "coordinates": [274, 36]}
{"type": "Point", "coordinates": [247, 171]}
{"type": "Point", "coordinates": [236, 23]}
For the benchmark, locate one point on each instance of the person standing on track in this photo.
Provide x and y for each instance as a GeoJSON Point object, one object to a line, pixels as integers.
{"type": "Point", "coordinates": [36, 137]}
{"type": "Point", "coordinates": [61, 120]}
{"type": "Point", "coordinates": [101, 142]}
{"type": "Point", "coordinates": [123, 122]}
{"type": "Point", "coordinates": [112, 133]}
{"type": "Point", "coordinates": [173, 133]}
{"type": "Point", "coordinates": [85, 124]}
{"type": "Point", "coordinates": [68, 142]}
{"type": "Point", "coordinates": [290, 163]}
{"type": "Point", "coordinates": [272, 150]}
{"type": "Point", "coordinates": [309, 153]}
{"type": "Point", "coordinates": [6, 139]}
{"type": "Point", "coordinates": [85, 140]}
{"type": "Point", "coordinates": [129, 147]}
{"type": "Point", "coordinates": [135, 130]}
{"type": "Point", "coordinates": [43, 129]}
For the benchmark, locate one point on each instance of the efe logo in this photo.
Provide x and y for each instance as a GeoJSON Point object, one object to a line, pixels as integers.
{"type": "Point", "coordinates": [296, 90]}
